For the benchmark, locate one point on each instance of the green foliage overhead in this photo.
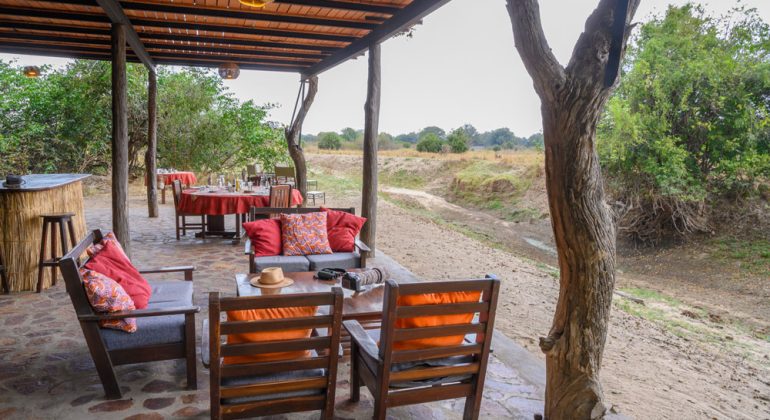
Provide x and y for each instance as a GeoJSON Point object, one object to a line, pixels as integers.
{"type": "Point", "coordinates": [430, 143]}
{"type": "Point", "coordinates": [61, 122]}
{"type": "Point", "coordinates": [329, 141]}
{"type": "Point", "coordinates": [691, 116]}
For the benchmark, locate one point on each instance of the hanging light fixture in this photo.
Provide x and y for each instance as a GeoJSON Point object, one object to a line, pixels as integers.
{"type": "Point", "coordinates": [229, 71]}
{"type": "Point", "coordinates": [255, 3]}
{"type": "Point", "coordinates": [31, 71]}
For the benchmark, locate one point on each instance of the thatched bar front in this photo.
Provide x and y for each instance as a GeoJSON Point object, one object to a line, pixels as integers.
{"type": "Point", "coordinates": [21, 225]}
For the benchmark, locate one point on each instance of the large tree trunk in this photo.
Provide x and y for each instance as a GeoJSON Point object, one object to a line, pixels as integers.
{"type": "Point", "coordinates": [150, 158]}
{"type": "Point", "coordinates": [371, 127]}
{"type": "Point", "coordinates": [572, 102]}
{"type": "Point", "coordinates": [293, 132]}
{"type": "Point", "coordinates": [120, 138]}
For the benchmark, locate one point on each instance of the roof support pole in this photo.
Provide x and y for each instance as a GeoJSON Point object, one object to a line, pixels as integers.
{"type": "Point", "coordinates": [152, 144]}
{"type": "Point", "coordinates": [371, 127]}
{"type": "Point", "coordinates": [120, 138]}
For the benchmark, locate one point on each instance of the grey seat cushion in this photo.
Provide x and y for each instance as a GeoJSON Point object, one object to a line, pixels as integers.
{"type": "Point", "coordinates": [155, 329]}
{"type": "Point", "coordinates": [171, 291]}
{"type": "Point", "coordinates": [400, 367]}
{"type": "Point", "coordinates": [281, 376]}
{"type": "Point", "coordinates": [336, 260]}
{"type": "Point", "coordinates": [287, 263]}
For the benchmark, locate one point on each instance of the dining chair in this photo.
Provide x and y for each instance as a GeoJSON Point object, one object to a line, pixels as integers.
{"type": "Point", "coordinates": [180, 217]}
{"type": "Point", "coordinates": [284, 175]}
{"type": "Point", "coordinates": [280, 197]}
{"type": "Point", "coordinates": [433, 345]}
{"type": "Point", "coordinates": [265, 371]}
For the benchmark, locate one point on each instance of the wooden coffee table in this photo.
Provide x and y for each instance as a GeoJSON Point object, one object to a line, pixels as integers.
{"type": "Point", "coordinates": [365, 307]}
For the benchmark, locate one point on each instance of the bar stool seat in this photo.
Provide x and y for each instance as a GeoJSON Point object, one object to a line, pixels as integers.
{"type": "Point", "coordinates": [64, 222]}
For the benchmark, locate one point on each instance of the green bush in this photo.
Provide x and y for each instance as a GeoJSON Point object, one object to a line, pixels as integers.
{"type": "Point", "coordinates": [458, 141]}
{"type": "Point", "coordinates": [430, 142]}
{"type": "Point", "coordinates": [689, 120]}
{"type": "Point", "coordinates": [330, 141]}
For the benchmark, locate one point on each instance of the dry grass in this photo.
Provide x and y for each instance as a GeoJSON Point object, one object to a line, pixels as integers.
{"type": "Point", "coordinates": [508, 157]}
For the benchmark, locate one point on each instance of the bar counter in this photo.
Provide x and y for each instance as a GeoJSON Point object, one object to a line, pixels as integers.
{"type": "Point", "coordinates": [21, 225]}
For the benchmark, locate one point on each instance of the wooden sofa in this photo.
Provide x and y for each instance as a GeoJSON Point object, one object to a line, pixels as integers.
{"type": "Point", "coordinates": [355, 259]}
{"type": "Point", "coordinates": [165, 329]}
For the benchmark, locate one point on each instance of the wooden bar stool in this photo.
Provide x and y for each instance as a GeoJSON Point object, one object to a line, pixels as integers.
{"type": "Point", "coordinates": [5, 288]}
{"type": "Point", "coordinates": [53, 220]}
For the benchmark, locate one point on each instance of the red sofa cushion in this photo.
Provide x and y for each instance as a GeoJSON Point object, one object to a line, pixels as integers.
{"type": "Point", "coordinates": [342, 228]}
{"type": "Point", "coordinates": [265, 236]}
{"type": "Point", "coordinates": [113, 263]}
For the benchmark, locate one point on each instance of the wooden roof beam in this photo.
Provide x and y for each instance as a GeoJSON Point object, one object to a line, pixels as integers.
{"type": "Point", "coordinates": [118, 16]}
{"type": "Point", "coordinates": [208, 11]}
{"type": "Point", "coordinates": [403, 19]}
{"type": "Point", "coordinates": [342, 5]}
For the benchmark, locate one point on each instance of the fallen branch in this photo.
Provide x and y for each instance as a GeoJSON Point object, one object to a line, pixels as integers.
{"type": "Point", "coordinates": [629, 297]}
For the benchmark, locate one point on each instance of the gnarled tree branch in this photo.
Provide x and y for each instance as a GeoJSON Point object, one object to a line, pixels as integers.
{"type": "Point", "coordinates": [293, 132]}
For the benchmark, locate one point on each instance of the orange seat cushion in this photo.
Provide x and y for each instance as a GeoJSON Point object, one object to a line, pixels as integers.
{"type": "Point", "coordinates": [256, 337]}
{"type": "Point", "coordinates": [435, 320]}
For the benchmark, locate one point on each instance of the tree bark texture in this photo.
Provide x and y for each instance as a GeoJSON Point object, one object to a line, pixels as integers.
{"type": "Point", "coordinates": [371, 127]}
{"type": "Point", "coordinates": [293, 133]}
{"type": "Point", "coordinates": [150, 158]}
{"type": "Point", "coordinates": [120, 138]}
{"type": "Point", "coordinates": [572, 100]}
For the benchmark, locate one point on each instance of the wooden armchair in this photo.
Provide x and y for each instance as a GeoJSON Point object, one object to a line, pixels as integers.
{"type": "Point", "coordinates": [399, 372]}
{"type": "Point", "coordinates": [180, 218]}
{"type": "Point", "coordinates": [277, 385]}
{"type": "Point", "coordinates": [356, 259]}
{"type": "Point", "coordinates": [165, 329]}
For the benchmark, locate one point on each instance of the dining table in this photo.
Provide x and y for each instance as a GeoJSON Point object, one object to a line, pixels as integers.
{"type": "Point", "coordinates": [364, 306]}
{"type": "Point", "coordinates": [186, 178]}
{"type": "Point", "coordinates": [216, 203]}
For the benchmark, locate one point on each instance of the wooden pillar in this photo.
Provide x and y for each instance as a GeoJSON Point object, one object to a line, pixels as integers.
{"type": "Point", "coordinates": [152, 144]}
{"type": "Point", "coordinates": [120, 138]}
{"type": "Point", "coordinates": [371, 126]}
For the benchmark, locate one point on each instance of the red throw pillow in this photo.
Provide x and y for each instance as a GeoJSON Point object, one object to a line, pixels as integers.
{"type": "Point", "coordinates": [434, 320]}
{"type": "Point", "coordinates": [265, 236]}
{"type": "Point", "coordinates": [112, 262]}
{"type": "Point", "coordinates": [342, 228]}
{"type": "Point", "coordinates": [106, 295]}
{"type": "Point", "coordinates": [304, 234]}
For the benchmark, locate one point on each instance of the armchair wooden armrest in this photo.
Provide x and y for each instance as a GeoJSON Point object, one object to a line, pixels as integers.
{"type": "Point", "coordinates": [188, 271]}
{"type": "Point", "coordinates": [139, 313]}
{"type": "Point", "coordinates": [362, 246]}
{"type": "Point", "coordinates": [362, 339]}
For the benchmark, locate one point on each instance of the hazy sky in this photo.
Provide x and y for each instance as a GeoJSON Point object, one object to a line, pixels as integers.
{"type": "Point", "coordinates": [460, 67]}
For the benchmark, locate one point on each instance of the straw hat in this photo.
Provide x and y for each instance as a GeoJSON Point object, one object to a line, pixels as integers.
{"type": "Point", "coordinates": [271, 278]}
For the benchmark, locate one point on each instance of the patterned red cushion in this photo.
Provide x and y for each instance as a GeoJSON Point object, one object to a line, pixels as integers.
{"type": "Point", "coordinates": [113, 263]}
{"type": "Point", "coordinates": [265, 236]}
{"type": "Point", "coordinates": [342, 228]}
{"type": "Point", "coordinates": [304, 234]}
{"type": "Point", "coordinates": [106, 295]}
{"type": "Point", "coordinates": [94, 249]}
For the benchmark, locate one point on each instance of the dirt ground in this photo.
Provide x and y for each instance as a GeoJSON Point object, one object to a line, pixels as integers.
{"type": "Point", "coordinates": [674, 358]}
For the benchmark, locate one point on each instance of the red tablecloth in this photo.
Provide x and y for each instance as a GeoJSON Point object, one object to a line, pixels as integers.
{"type": "Point", "coordinates": [196, 202]}
{"type": "Point", "coordinates": [186, 178]}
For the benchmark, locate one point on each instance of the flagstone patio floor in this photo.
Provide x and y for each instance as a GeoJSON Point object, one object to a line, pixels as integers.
{"type": "Point", "coordinates": [46, 371]}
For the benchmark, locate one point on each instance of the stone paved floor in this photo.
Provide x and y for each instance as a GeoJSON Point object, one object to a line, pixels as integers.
{"type": "Point", "coordinates": [47, 373]}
